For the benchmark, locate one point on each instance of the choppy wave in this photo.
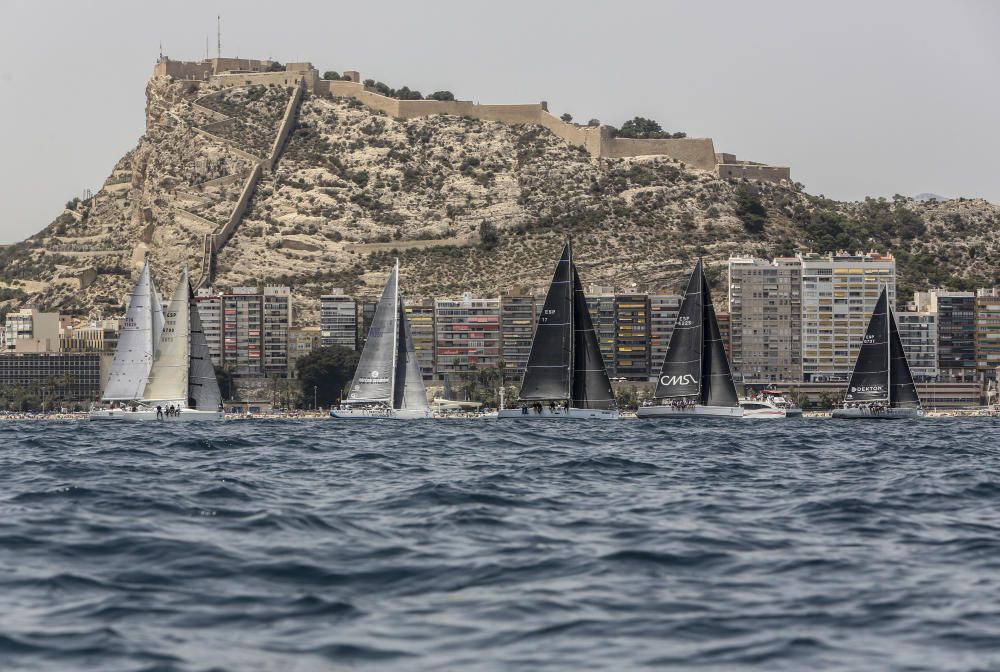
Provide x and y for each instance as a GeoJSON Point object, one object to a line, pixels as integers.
{"type": "Point", "coordinates": [477, 546]}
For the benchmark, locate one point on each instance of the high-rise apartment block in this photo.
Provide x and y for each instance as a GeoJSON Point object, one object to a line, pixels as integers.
{"type": "Point", "coordinates": [255, 330]}
{"type": "Point", "coordinates": [765, 307]}
{"type": "Point", "coordinates": [421, 316]}
{"type": "Point", "coordinates": [467, 334]}
{"type": "Point", "coordinates": [338, 320]}
{"type": "Point", "coordinates": [956, 331]}
{"type": "Point", "coordinates": [517, 320]}
{"type": "Point", "coordinates": [919, 335]}
{"type": "Point", "coordinates": [209, 306]}
{"type": "Point", "coordinates": [663, 309]}
{"type": "Point", "coordinates": [601, 305]}
{"type": "Point", "coordinates": [988, 332]}
{"type": "Point", "coordinates": [839, 293]}
{"type": "Point", "coordinates": [631, 354]}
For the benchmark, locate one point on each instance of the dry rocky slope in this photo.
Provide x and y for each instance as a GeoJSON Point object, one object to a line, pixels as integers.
{"type": "Point", "coordinates": [467, 205]}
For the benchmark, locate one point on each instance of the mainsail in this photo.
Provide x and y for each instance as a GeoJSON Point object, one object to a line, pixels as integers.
{"type": "Point", "coordinates": [203, 386]}
{"type": "Point", "coordinates": [136, 342]}
{"type": "Point", "coordinates": [902, 391]}
{"type": "Point", "coordinates": [374, 380]}
{"type": "Point", "coordinates": [168, 377]}
{"type": "Point", "coordinates": [680, 373]}
{"type": "Point", "coordinates": [696, 364]}
{"type": "Point", "coordinates": [869, 381]}
{"type": "Point", "coordinates": [548, 372]}
{"type": "Point", "coordinates": [591, 386]}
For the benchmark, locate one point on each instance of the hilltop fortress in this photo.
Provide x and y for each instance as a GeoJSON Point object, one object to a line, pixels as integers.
{"type": "Point", "coordinates": [598, 141]}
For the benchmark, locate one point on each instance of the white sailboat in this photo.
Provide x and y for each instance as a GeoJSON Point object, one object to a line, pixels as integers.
{"type": "Point", "coordinates": [180, 385]}
{"type": "Point", "coordinates": [695, 379]}
{"type": "Point", "coordinates": [881, 386]}
{"type": "Point", "coordinates": [387, 383]}
{"type": "Point", "coordinates": [565, 375]}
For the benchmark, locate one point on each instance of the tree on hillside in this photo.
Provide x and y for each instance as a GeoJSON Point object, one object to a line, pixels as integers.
{"type": "Point", "coordinates": [276, 67]}
{"type": "Point", "coordinates": [749, 208]}
{"type": "Point", "coordinates": [640, 127]}
{"type": "Point", "coordinates": [331, 75]}
{"type": "Point", "coordinates": [567, 117]}
{"type": "Point", "coordinates": [594, 122]}
{"type": "Point", "coordinates": [328, 370]}
{"type": "Point", "coordinates": [441, 95]}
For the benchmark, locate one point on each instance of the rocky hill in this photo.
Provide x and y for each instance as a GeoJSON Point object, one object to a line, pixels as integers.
{"type": "Point", "coordinates": [467, 205]}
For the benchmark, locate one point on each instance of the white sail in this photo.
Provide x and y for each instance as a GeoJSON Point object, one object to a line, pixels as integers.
{"type": "Point", "coordinates": [414, 393]}
{"type": "Point", "coordinates": [374, 380]}
{"type": "Point", "coordinates": [136, 345]}
{"type": "Point", "coordinates": [168, 378]}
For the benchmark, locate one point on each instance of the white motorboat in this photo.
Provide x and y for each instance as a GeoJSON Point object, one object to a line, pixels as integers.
{"type": "Point", "coordinates": [387, 383]}
{"type": "Point", "coordinates": [695, 380]}
{"type": "Point", "coordinates": [565, 377]}
{"type": "Point", "coordinates": [769, 404]}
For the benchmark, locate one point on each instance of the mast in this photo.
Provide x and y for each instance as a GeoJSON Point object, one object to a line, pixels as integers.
{"type": "Point", "coordinates": [395, 327]}
{"type": "Point", "coordinates": [888, 346]}
{"type": "Point", "coordinates": [572, 323]}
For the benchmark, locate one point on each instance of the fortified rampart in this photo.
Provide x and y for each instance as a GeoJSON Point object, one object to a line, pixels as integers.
{"type": "Point", "coordinates": [597, 140]}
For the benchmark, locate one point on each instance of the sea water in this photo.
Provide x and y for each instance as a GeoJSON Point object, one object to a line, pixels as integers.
{"type": "Point", "coordinates": [477, 545]}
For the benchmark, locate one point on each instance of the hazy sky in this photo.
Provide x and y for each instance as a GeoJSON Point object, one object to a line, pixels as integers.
{"type": "Point", "coordinates": [859, 98]}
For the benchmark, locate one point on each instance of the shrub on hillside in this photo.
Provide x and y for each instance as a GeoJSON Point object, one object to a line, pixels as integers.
{"type": "Point", "coordinates": [441, 95]}
{"type": "Point", "coordinates": [749, 208]}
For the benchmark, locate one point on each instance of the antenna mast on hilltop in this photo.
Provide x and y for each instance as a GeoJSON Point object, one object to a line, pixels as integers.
{"type": "Point", "coordinates": [218, 34]}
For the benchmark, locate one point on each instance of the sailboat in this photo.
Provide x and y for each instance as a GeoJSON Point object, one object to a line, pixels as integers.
{"type": "Point", "coordinates": [695, 379]}
{"type": "Point", "coordinates": [137, 339]}
{"type": "Point", "coordinates": [565, 375]}
{"type": "Point", "coordinates": [180, 385]}
{"type": "Point", "coordinates": [881, 384]}
{"type": "Point", "coordinates": [388, 382]}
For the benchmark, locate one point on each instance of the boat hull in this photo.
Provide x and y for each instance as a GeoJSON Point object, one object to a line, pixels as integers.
{"type": "Point", "coordinates": [855, 413]}
{"type": "Point", "coordinates": [187, 415]}
{"type": "Point", "coordinates": [380, 414]}
{"type": "Point", "coordinates": [698, 411]}
{"type": "Point", "coordinates": [558, 414]}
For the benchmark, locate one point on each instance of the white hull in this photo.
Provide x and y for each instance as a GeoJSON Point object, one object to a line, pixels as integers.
{"type": "Point", "coordinates": [147, 415]}
{"type": "Point", "coordinates": [380, 414]}
{"type": "Point", "coordinates": [558, 414]}
{"type": "Point", "coordinates": [697, 411]}
{"type": "Point", "coordinates": [765, 408]}
{"type": "Point", "coordinates": [855, 413]}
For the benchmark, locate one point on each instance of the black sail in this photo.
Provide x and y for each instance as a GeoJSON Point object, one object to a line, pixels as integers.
{"type": "Point", "coordinates": [591, 386]}
{"type": "Point", "coordinates": [680, 373]}
{"type": "Point", "coordinates": [717, 387]}
{"type": "Point", "coordinates": [203, 386]}
{"type": "Point", "coordinates": [869, 381]}
{"type": "Point", "coordinates": [902, 391]}
{"type": "Point", "coordinates": [548, 371]}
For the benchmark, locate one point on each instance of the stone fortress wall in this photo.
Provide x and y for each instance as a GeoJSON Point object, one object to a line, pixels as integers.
{"type": "Point", "coordinates": [596, 140]}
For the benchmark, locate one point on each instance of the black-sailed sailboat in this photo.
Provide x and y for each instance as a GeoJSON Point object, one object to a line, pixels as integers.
{"type": "Point", "coordinates": [695, 379]}
{"type": "Point", "coordinates": [387, 382]}
{"type": "Point", "coordinates": [881, 386]}
{"type": "Point", "coordinates": [565, 375]}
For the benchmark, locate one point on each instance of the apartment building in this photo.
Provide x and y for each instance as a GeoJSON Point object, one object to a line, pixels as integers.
{"type": "Point", "coordinates": [601, 305]}
{"type": "Point", "coordinates": [517, 319]}
{"type": "Point", "coordinates": [765, 308]}
{"type": "Point", "coordinates": [839, 293]}
{"type": "Point", "coordinates": [31, 330]}
{"type": "Point", "coordinates": [338, 319]}
{"type": "Point", "coordinates": [255, 327]}
{"type": "Point", "coordinates": [101, 336]}
{"type": "Point", "coordinates": [466, 334]}
{"type": "Point", "coordinates": [919, 335]}
{"type": "Point", "coordinates": [956, 330]}
{"type": "Point", "coordinates": [663, 309]}
{"type": "Point", "coordinates": [988, 332]}
{"type": "Point", "coordinates": [631, 324]}
{"type": "Point", "coordinates": [421, 317]}
{"type": "Point", "coordinates": [210, 311]}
